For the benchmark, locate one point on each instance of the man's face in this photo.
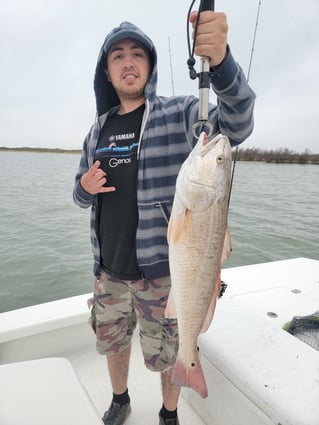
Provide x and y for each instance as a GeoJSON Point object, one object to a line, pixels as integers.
{"type": "Point", "coordinates": [128, 68]}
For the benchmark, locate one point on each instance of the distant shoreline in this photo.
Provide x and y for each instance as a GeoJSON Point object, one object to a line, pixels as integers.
{"type": "Point", "coordinates": [40, 150]}
{"type": "Point", "coordinates": [280, 156]}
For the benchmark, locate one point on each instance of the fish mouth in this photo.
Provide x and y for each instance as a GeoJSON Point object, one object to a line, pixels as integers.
{"type": "Point", "coordinates": [218, 142]}
{"type": "Point", "coordinates": [208, 147]}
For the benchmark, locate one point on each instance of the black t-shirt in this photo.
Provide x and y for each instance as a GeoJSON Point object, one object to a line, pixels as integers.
{"type": "Point", "coordinates": [118, 214]}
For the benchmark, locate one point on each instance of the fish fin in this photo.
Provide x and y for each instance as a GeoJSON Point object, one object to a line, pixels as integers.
{"type": "Point", "coordinates": [227, 247]}
{"type": "Point", "coordinates": [209, 315]}
{"type": "Point", "coordinates": [170, 310]}
{"type": "Point", "coordinates": [192, 377]}
{"type": "Point", "coordinates": [176, 225]}
{"type": "Point", "coordinates": [212, 305]}
{"type": "Point", "coordinates": [227, 250]}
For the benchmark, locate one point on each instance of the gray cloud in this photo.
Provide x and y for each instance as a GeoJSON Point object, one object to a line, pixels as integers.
{"type": "Point", "coordinates": [49, 50]}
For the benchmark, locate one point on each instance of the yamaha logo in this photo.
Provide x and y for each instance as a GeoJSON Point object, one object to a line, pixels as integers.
{"type": "Point", "coordinates": [117, 137]}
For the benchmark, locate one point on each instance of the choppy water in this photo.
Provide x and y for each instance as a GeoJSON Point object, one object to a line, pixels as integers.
{"type": "Point", "coordinates": [45, 249]}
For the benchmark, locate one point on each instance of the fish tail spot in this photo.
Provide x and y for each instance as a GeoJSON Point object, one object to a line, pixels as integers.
{"type": "Point", "coordinates": [190, 376]}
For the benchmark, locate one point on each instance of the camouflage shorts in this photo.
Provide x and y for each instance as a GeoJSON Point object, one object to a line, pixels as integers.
{"type": "Point", "coordinates": [117, 307]}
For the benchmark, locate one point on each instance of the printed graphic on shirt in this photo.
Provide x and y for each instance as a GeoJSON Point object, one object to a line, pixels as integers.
{"type": "Point", "coordinates": [126, 136]}
{"type": "Point", "coordinates": [117, 155]}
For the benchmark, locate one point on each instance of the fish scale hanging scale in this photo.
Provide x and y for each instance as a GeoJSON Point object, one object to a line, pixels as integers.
{"type": "Point", "coordinates": [205, 76]}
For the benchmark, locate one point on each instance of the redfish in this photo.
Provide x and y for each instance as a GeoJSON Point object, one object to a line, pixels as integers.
{"type": "Point", "coordinates": [198, 243]}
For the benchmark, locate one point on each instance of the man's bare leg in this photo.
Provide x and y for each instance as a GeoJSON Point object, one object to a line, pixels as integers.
{"type": "Point", "coordinates": [118, 366]}
{"type": "Point", "coordinates": [170, 392]}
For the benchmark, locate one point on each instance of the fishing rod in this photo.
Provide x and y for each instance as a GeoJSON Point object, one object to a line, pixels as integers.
{"type": "Point", "coordinates": [170, 64]}
{"type": "Point", "coordinates": [247, 79]}
{"type": "Point", "coordinates": [253, 43]}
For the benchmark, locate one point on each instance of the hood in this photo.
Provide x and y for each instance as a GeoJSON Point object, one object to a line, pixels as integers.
{"type": "Point", "coordinates": [106, 97]}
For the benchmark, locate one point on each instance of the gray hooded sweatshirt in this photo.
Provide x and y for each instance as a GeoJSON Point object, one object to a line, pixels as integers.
{"type": "Point", "coordinates": [165, 141]}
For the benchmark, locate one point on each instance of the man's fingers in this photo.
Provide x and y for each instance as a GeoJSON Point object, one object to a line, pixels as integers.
{"type": "Point", "coordinates": [99, 174]}
{"type": "Point", "coordinates": [106, 189]}
{"type": "Point", "coordinates": [95, 168]}
{"type": "Point", "coordinates": [96, 165]}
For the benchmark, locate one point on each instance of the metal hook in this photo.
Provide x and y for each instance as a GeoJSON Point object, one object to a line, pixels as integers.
{"type": "Point", "coordinates": [201, 126]}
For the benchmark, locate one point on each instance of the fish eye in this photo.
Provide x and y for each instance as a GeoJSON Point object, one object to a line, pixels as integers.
{"type": "Point", "coordinates": [220, 159]}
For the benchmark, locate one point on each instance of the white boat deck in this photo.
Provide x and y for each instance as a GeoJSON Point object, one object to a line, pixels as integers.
{"type": "Point", "coordinates": [144, 388]}
{"type": "Point", "coordinates": [90, 368]}
{"type": "Point", "coordinates": [59, 329]}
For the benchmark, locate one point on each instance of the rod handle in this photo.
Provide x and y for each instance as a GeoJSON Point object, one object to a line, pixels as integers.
{"type": "Point", "coordinates": [206, 5]}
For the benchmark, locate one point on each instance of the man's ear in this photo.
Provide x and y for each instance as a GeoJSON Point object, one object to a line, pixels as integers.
{"type": "Point", "coordinates": [107, 75]}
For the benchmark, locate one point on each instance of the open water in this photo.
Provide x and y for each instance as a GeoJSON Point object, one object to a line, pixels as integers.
{"type": "Point", "coordinates": [45, 251]}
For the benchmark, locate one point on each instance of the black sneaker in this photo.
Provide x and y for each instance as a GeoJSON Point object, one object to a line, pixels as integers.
{"type": "Point", "coordinates": [117, 414]}
{"type": "Point", "coordinates": [170, 421]}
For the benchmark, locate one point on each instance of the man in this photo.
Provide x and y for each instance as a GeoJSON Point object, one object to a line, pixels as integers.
{"type": "Point", "coordinates": [127, 175]}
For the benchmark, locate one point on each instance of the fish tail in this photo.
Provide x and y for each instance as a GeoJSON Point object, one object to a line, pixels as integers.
{"type": "Point", "coordinates": [192, 377]}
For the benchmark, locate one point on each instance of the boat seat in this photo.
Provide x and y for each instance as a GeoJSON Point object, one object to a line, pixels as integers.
{"type": "Point", "coordinates": [44, 391]}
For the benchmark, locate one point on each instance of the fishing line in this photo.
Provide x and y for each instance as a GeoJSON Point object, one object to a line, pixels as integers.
{"type": "Point", "coordinates": [191, 49]}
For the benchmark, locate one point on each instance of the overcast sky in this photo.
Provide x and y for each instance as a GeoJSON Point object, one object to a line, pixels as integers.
{"type": "Point", "coordinates": [49, 50]}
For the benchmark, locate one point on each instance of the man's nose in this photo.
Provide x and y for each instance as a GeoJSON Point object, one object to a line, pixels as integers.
{"type": "Point", "coordinates": [128, 63]}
